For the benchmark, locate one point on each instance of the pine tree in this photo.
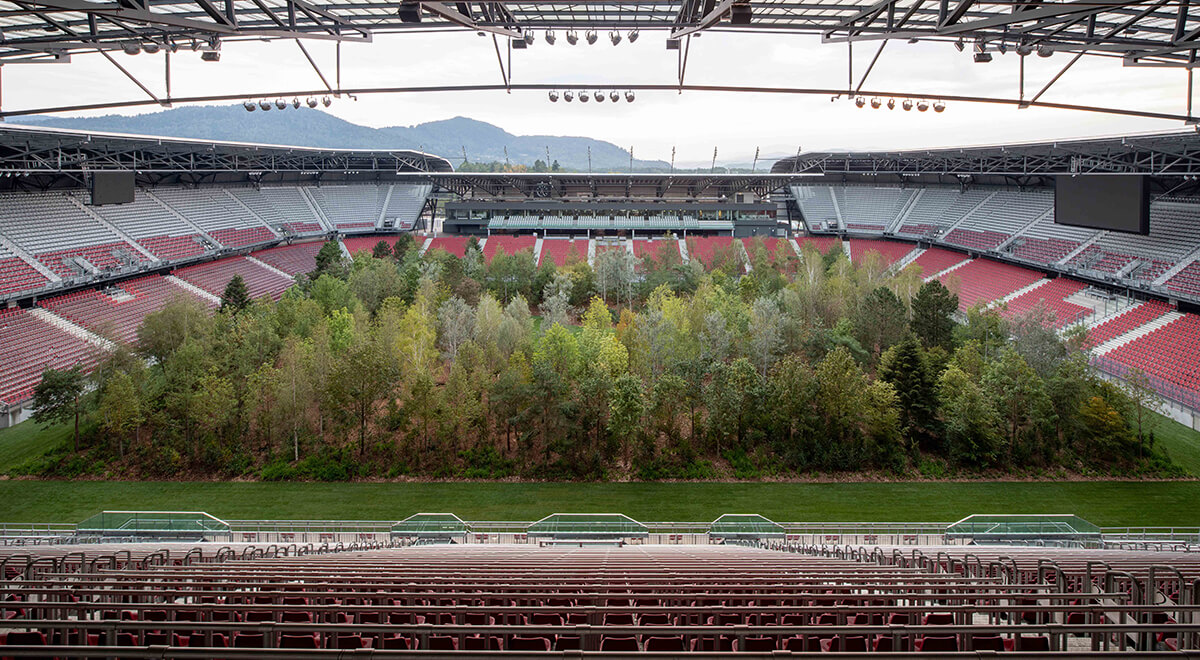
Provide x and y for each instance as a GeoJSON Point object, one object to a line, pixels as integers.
{"type": "Point", "coordinates": [329, 258]}
{"type": "Point", "coordinates": [932, 315]}
{"type": "Point", "coordinates": [382, 250]}
{"type": "Point", "coordinates": [236, 296]}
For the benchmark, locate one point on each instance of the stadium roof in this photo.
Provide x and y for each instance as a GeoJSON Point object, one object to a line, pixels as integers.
{"type": "Point", "coordinates": [1143, 32]}
{"type": "Point", "coordinates": [26, 150]}
{"type": "Point", "coordinates": [1172, 154]}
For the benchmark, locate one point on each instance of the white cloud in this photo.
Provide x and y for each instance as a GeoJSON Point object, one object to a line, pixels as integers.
{"type": "Point", "coordinates": [694, 122]}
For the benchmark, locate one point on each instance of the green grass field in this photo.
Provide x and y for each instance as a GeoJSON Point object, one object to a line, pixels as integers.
{"type": "Point", "coordinates": [1105, 503]}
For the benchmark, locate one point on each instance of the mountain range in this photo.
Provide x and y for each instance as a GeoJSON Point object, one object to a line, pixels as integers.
{"type": "Point", "coordinates": [305, 127]}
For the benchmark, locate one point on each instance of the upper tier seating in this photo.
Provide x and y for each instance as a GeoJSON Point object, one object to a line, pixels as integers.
{"type": "Point", "coordinates": [300, 259]}
{"type": "Point", "coordinates": [55, 231]}
{"type": "Point", "coordinates": [117, 313]}
{"type": "Point", "coordinates": [976, 240]}
{"type": "Point", "coordinates": [1166, 354]}
{"type": "Point", "coordinates": [1127, 321]}
{"type": "Point", "coordinates": [816, 203]}
{"type": "Point", "coordinates": [215, 211]}
{"type": "Point", "coordinates": [705, 248]}
{"type": "Point", "coordinates": [871, 208]}
{"type": "Point", "coordinates": [509, 244]}
{"type": "Point", "coordinates": [284, 208]}
{"type": "Point", "coordinates": [1173, 234]}
{"type": "Point", "coordinates": [350, 207]}
{"type": "Point", "coordinates": [936, 208]}
{"type": "Point", "coordinates": [1187, 280]}
{"type": "Point", "coordinates": [214, 276]}
{"type": "Point", "coordinates": [936, 260]}
{"type": "Point", "coordinates": [405, 205]}
{"type": "Point", "coordinates": [890, 251]}
{"type": "Point", "coordinates": [154, 227]}
{"type": "Point", "coordinates": [1046, 242]}
{"type": "Point", "coordinates": [986, 281]}
{"type": "Point", "coordinates": [1052, 295]}
{"type": "Point", "coordinates": [1008, 211]}
{"type": "Point", "coordinates": [30, 346]}
{"type": "Point", "coordinates": [455, 245]}
{"type": "Point", "coordinates": [560, 251]}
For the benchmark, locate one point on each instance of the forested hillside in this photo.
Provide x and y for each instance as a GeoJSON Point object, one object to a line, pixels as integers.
{"type": "Point", "coordinates": [396, 364]}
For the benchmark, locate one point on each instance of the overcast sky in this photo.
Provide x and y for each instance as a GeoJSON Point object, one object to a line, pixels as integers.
{"type": "Point", "coordinates": [693, 122]}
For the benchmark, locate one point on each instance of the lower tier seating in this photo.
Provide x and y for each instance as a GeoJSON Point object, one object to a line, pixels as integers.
{"type": "Point", "coordinates": [1186, 280]}
{"type": "Point", "coordinates": [1053, 296]}
{"type": "Point", "coordinates": [561, 251]}
{"type": "Point", "coordinates": [1167, 353]}
{"type": "Point", "coordinates": [935, 260]}
{"type": "Point", "coordinates": [299, 259]}
{"type": "Point", "coordinates": [16, 275]}
{"type": "Point", "coordinates": [242, 237]}
{"type": "Point", "coordinates": [214, 276]}
{"type": "Point", "coordinates": [30, 346]}
{"type": "Point", "coordinates": [509, 244]}
{"type": "Point", "coordinates": [455, 245]}
{"type": "Point", "coordinates": [354, 244]}
{"type": "Point", "coordinates": [890, 251]}
{"type": "Point", "coordinates": [985, 281]}
{"type": "Point", "coordinates": [116, 314]}
{"type": "Point", "coordinates": [1127, 321]}
{"type": "Point", "coordinates": [656, 249]}
{"type": "Point", "coordinates": [705, 248]}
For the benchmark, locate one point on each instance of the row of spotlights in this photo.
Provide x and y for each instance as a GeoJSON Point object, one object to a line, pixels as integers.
{"type": "Point", "coordinates": [590, 36]}
{"type": "Point", "coordinates": [906, 104]}
{"type": "Point", "coordinates": [281, 104]}
{"type": "Point", "coordinates": [613, 96]}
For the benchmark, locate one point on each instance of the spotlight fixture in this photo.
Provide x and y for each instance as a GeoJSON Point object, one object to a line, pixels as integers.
{"type": "Point", "coordinates": [672, 44]}
{"type": "Point", "coordinates": [629, 96]}
{"type": "Point", "coordinates": [599, 96]}
{"type": "Point", "coordinates": [614, 96]}
{"type": "Point", "coordinates": [150, 47]}
{"type": "Point", "coordinates": [875, 103]}
{"type": "Point", "coordinates": [554, 96]}
{"type": "Point", "coordinates": [210, 56]}
{"type": "Point", "coordinates": [583, 97]}
{"type": "Point", "coordinates": [327, 101]}
{"type": "Point", "coordinates": [1045, 51]}
{"type": "Point", "coordinates": [633, 35]}
{"type": "Point", "coordinates": [939, 106]}
{"type": "Point", "coordinates": [891, 104]}
{"type": "Point", "coordinates": [859, 101]}
{"type": "Point", "coordinates": [249, 106]}
{"type": "Point", "coordinates": [591, 37]}
{"type": "Point", "coordinates": [1024, 49]}
{"type": "Point", "coordinates": [550, 38]}
{"type": "Point", "coordinates": [131, 48]}
{"type": "Point", "coordinates": [312, 102]}
{"type": "Point", "coordinates": [280, 103]}
{"type": "Point", "coordinates": [959, 45]}
{"type": "Point", "coordinates": [922, 105]}
{"type": "Point", "coordinates": [983, 57]}
{"type": "Point", "coordinates": [615, 37]}
{"type": "Point", "coordinates": [572, 37]}
{"type": "Point", "coordinates": [1002, 47]}
{"type": "Point", "coordinates": [529, 38]}
{"type": "Point", "coordinates": [907, 105]}
{"type": "Point", "coordinates": [295, 103]}
{"type": "Point", "coordinates": [265, 105]}
{"type": "Point", "coordinates": [568, 96]}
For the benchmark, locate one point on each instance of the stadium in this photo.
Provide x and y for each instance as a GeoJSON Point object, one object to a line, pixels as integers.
{"type": "Point", "coordinates": [1015, 323]}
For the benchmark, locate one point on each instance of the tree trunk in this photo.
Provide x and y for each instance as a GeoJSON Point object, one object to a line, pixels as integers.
{"type": "Point", "coordinates": [76, 422]}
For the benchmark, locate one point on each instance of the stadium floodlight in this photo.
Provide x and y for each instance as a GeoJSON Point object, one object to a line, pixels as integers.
{"type": "Point", "coordinates": [529, 38]}
{"type": "Point", "coordinates": [875, 103]}
{"type": "Point", "coordinates": [891, 104]}
{"type": "Point", "coordinates": [1045, 51]}
{"type": "Point", "coordinates": [1024, 49]}
{"type": "Point", "coordinates": [614, 96]}
{"type": "Point", "coordinates": [907, 104]}
{"type": "Point", "coordinates": [629, 96]}
{"type": "Point", "coordinates": [568, 96]}
{"type": "Point", "coordinates": [572, 37]}
{"type": "Point", "coordinates": [280, 103]}
{"type": "Point", "coordinates": [599, 96]}
{"type": "Point", "coordinates": [554, 96]}
{"type": "Point", "coordinates": [296, 102]}
{"type": "Point", "coordinates": [859, 101]}
{"type": "Point", "coordinates": [615, 37]}
{"type": "Point", "coordinates": [591, 37]}
{"type": "Point", "coordinates": [1002, 47]}
{"type": "Point", "coordinates": [131, 48]}
{"type": "Point", "coordinates": [327, 101]}
{"type": "Point", "coordinates": [922, 105]}
{"type": "Point", "coordinates": [312, 102]}
{"type": "Point", "coordinates": [633, 35]}
{"type": "Point", "coordinates": [983, 57]}
{"type": "Point", "coordinates": [265, 105]}
{"type": "Point", "coordinates": [959, 45]}
{"type": "Point", "coordinates": [583, 97]}
{"type": "Point", "coordinates": [550, 38]}
{"type": "Point", "coordinates": [150, 47]}
{"type": "Point", "coordinates": [249, 106]}
{"type": "Point", "coordinates": [939, 106]}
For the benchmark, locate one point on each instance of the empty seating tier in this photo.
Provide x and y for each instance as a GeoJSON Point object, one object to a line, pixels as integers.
{"type": "Point", "coordinates": [561, 251]}
{"type": "Point", "coordinates": [705, 248]}
{"type": "Point", "coordinates": [116, 312]}
{"type": "Point", "coordinates": [294, 260]}
{"type": "Point", "coordinates": [350, 207]}
{"type": "Point", "coordinates": [1052, 295]}
{"type": "Point", "coordinates": [16, 275]}
{"type": "Point", "coordinates": [524, 599]}
{"type": "Point", "coordinates": [1166, 354]}
{"type": "Point", "coordinates": [816, 203]}
{"type": "Point", "coordinates": [281, 207]}
{"type": "Point", "coordinates": [405, 205]}
{"type": "Point", "coordinates": [31, 345]}
{"type": "Point", "coordinates": [1187, 280]}
{"type": "Point", "coordinates": [935, 260]}
{"type": "Point", "coordinates": [889, 251]}
{"type": "Point", "coordinates": [1127, 321]}
{"type": "Point", "coordinates": [938, 208]}
{"type": "Point", "coordinates": [772, 246]}
{"type": "Point", "coordinates": [218, 213]}
{"type": "Point", "coordinates": [657, 249]}
{"type": "Point", "coordinates": [243, 236]}
{"type": "Point", "coordinates": [170, 248]}
{"type": "Point", "coordinates": [354, 244]}
{"type": "Point", "coordinates": [215, 275]}
{"type": "Point", "coordinates": [822, 244]}
{"type": "Point", "coordinates": [870, 208]}
{"type": "Point", "coordinates": [154, 227]}
{"type": "Point", "coordinates": [455, 245]}
{"type": "Point", "coordinates": [987, 281]}
{"type": "Point", "coordinates": [508, 244]}
{"type": "Point", "coordinates": [976, 239]}
{"type": "Point", "coordinates": [55, 230]}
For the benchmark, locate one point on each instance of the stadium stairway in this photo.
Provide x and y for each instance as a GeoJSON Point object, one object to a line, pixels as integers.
{"type": "Point", "coordinates": [253, 260]}
{"type": "Point", "coordinates": [1136, 333]}
{"type": "Point", "coordinates": [683, 252]}
{"type": "Point", "coordinates": [946, 271]}
{"type": "Point", "coordinates": [79, 331]}
{"type": "Point", "coordinates": [205, 295]}
{"type": "Point", "coordinates": [1022, 291]}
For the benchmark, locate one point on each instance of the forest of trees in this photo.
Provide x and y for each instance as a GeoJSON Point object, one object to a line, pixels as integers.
{"type": "Point", "coordinates": [399, 364]}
